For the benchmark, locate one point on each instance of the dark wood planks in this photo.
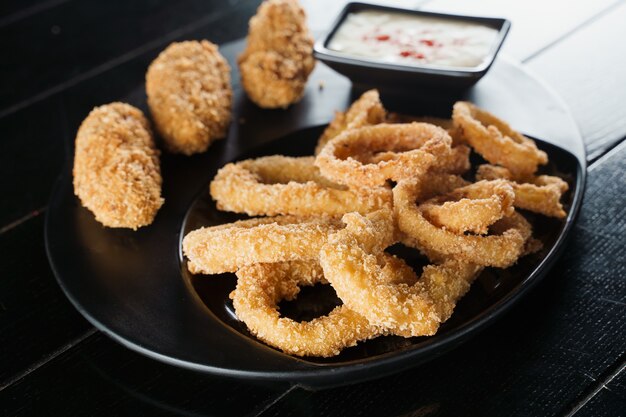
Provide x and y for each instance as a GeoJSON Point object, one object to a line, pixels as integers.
{"type": "Point", "coordinates": [606, 397]}
{"type": "Point", "coordinates": [538, 359]}
{"type": "Point", "coordinates": [588, 69]}
{"type": "Point", "coordinates": [12, 11]}
{"type": "Point", "coordinates": [101, 378]}
{"type": "Point", "coordinates": [71, 39]}
{"type": "Point", "coordinates": [35, 317]}
{"type": "Point", "coordinates": [33, 139]}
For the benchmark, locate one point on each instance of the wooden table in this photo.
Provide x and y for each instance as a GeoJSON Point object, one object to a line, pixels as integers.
{"type": "Point", "coordinates": [561, 351]}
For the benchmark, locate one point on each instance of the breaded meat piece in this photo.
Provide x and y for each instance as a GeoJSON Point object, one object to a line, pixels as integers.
{"type": "Point", "coordinates": [190, 95]}
{"type": "Point", "coordinates": [278, 57]}
{"type": "Point", "coordinates": [116, 167]}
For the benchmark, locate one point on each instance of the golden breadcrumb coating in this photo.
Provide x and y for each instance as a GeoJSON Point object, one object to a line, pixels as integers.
{"type": "Point", "coordinates": [226, 248]}
{"type": "Point", "coordinates": [278, 57]}
{"type": "Point", "coordinates": [190, 95]}
{"type": "Point", "coordinates": [541, 194]}
{"type": "Point", "coordinates": [366, 111]}
{"type": "Point", "coordinates": [259, 289]}
{"type": "Point", "coordinates": [277, 184]}
{"type": "Point", "coordinates": [116, 167]}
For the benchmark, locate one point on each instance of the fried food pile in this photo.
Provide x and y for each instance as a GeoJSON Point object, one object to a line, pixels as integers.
{"type": "Point", "coordinates": [376, 181]}
{"type": "Point", "coordinates": [278, 58]}
{"type": "Point", "coordinates": [190, 99]}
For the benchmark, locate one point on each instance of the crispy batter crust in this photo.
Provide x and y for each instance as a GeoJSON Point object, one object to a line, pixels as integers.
{"type": "Point", "coordinates": [226, 248]}
{"type": "Point", "coordinates": [190, 96]}
{"type": "Point", "coordinates": [366, 111]}
{"type": "Point", "coordinates": [259, 289]}
{"type": "Point", "coordinates": [472, 208]}
{"type": "Point", "coordinates": [500, 249]}
{"type": "Point", "coordinates": [278, 58]}
{"type": "Point", "coordinates": [409, 151]}
{"type": "Point", "coordinates": [363, 277]}
{"type": "Point", "coordinates": [447, 124]}
{"type": "Point", "coordinates": [277, 184]}
{"type": "Point", "coordinates": [540, 194]}
{"type": "Point", "coordinates": [496, 141]}
{"type": "Point", "coordinates": [116, 167]}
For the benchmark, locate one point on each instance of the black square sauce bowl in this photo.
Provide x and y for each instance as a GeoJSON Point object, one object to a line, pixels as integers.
{"type": "Point", "coordinates": [366, 72]}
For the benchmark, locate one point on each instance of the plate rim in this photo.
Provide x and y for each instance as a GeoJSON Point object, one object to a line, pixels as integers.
{"type": "Point", "coordinates": [357, 370]}
{"type": "Point", "coordinates": [328, 375]}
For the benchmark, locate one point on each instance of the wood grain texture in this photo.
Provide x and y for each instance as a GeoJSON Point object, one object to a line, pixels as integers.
{"type": "Point", "coordinates": [76, 37]}
{"type": "Point", "coordinates": [101, 378]}
{"type": "Point", "coordinates": [12, 11]}
{"type": "Point", "coordinates": [606, 396]}
{"type": "Point", "coordinates": [539, 358]}
{"type": "Point", "coordinates": [535, 23]}
{"type": "Point", "coordinates": [35, 317]}
{"type": "Point", "coordinates": [588, 69]}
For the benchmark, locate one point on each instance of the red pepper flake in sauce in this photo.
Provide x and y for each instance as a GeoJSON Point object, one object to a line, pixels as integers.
{"type": "Point", "coordinates": [390, 37]}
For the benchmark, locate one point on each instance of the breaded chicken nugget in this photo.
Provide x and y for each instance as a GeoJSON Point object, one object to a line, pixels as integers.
{"type": "Point", "coordinates": [116, 167]}
{"type": "Point", "coordinates": [190, 95]}
{"type": "Point", "coordinates": [278, 57]}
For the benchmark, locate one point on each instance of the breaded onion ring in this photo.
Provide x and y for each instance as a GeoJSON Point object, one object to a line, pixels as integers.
{"type": "Point", "coordinates": [259, 289]}
{"type": "Point", "coordinates": [447, 124]}
{"type": "Point", "coordinates": [278, 58]}
{"type": "Point", "coordinates": [226, 248]}
{"type": "Point", "coordinates": [350, 158]}
{"type": "Point", "coordinates": [361, 274]}
{"type": "Point", "coordinates": [496, 141]}
{"type": "Point", "coordinates": [190, 96]}
{"type": "Point", "coordinates": [116, 167]}
{"type": "Point", "coordinates": [472, 208]}
{"type": "Point", "coordinates": [366, 111]}
{"type": "Point", "coordinates": [455, 162]}
{"type": "Point", "coordinates": [499, 250]}
{"type": "Point", "coordinates": [540, 194]}
{"type": "Point", "coordinates": [277, 184]}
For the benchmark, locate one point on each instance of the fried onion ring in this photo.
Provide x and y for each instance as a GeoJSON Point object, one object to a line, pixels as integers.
{"type": "Point", "coordinates": [472, 208]}
{"type": "Point", "coordinates": [447, 124]}
{"type": "Point", "coordinates": [455, 162]}
{"type": "Point", "coordinates": [228, 247]}
{"type": "Point", "coordinates": [499, 250]}
{"type": "Point", "coordinates": [362, 277]}
{"type": "Point", "coordinates": [541, 194]}
{"type": "Point", "coordinates": [366, 111]}
{"type": "Point", "coordinates": [259, 289]}
{"type": "Point", "coordinates": [496, 141]}
{"type": "Point", "coordinates": [351, 159]}
{"type": "Point", "coordinates": [274, 185]}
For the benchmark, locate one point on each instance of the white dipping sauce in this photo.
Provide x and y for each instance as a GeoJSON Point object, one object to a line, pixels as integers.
{"type": "Point", "coordinates": [409, 39]}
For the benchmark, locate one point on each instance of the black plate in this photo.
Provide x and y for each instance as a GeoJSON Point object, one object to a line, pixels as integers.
{"type": "Point", "coordinates": [134, 287]}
